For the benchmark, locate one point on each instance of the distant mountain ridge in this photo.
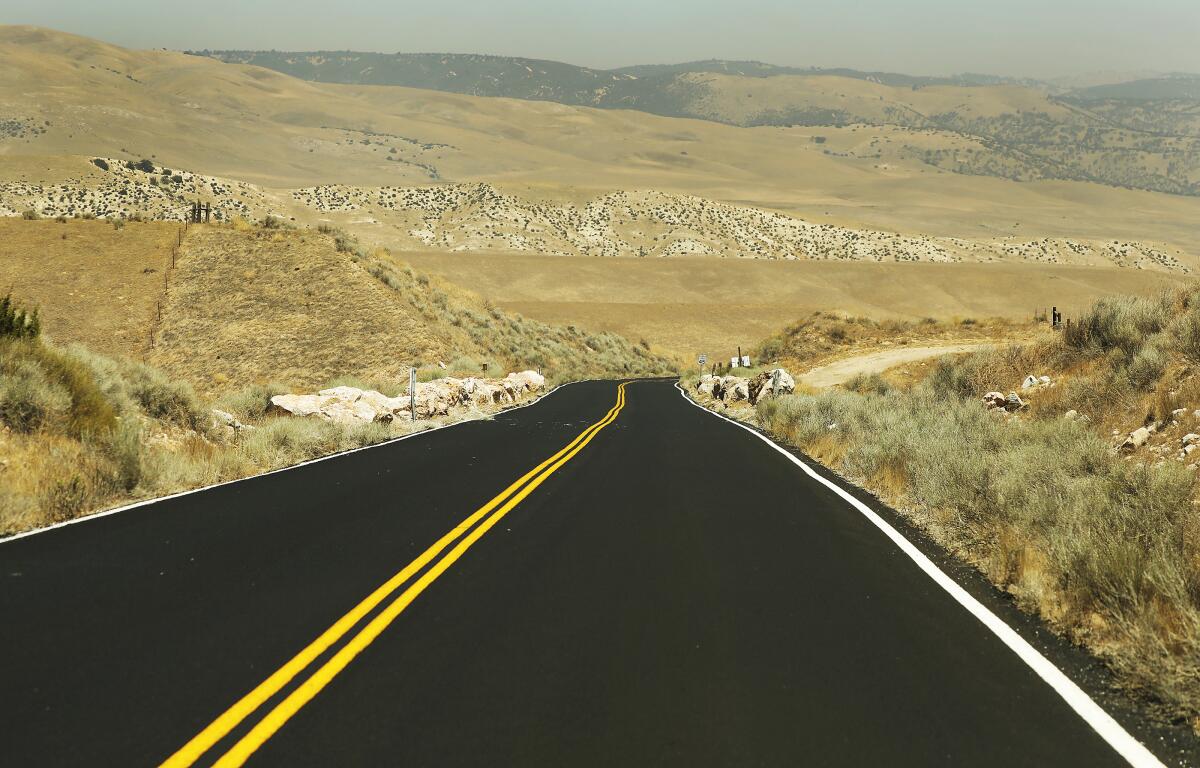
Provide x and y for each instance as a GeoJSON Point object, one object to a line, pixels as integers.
{"type": "Point", "coordinates": [646, 87]}
{"type": "Point", "coordinates": [1142, 134]}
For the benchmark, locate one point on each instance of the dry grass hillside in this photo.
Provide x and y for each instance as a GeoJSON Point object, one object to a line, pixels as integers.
{"type": "Point", "coordinates": [95, 284]}
{"type": "Point", "coordinates": [695, 305]}
{"type": "Point", "coordinates": [255, 125]}
{"type": "Point", "coordinates": [249, 305]}
{"type": "Point", "coordinates": [418, 171]}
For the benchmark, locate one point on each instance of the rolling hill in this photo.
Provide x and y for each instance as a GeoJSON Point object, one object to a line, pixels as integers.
{"type": "Point", "coordinates": [1023, 131]}
{"type": "Point", "coordinates": [473, 178]}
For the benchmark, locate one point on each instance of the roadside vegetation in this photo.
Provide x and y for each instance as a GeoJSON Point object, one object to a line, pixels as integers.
{"type": "Point", "coordinates": [80, 432]}
{"type": "Point", "coordinates": [1051, 502]}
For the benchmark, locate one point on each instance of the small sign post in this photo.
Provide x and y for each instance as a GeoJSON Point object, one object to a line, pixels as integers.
{"type": "Point", "coordinates": [701, 361]}
{"type": "Point", "coordinates": [412, 393]}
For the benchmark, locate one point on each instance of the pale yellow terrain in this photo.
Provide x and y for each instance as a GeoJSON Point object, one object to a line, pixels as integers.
{"type": "Point", "coordinates": [708, 305]}
{"type": "Point", "coordinates": [255, 125]}
{"type": "Point", "coordinates": [92, 283]}
{"type": "Point", "coordinates": [541, 180]}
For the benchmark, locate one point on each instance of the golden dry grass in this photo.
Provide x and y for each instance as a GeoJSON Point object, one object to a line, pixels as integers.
{"type": "Point", "coordinates": [694, 305]}
{"type": "Point", "coordinates": [93, 284]}
{"type": "Point", "coordinates": [254, 305]}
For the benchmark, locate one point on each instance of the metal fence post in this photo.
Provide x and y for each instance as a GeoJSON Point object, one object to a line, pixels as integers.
{"type": "Point", "coordinates": [412, 393]}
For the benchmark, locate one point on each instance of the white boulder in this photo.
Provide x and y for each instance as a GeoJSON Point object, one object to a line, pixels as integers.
{"type": "Point", "coordinates": [1137, 438]}
{"type": "Point", "coordinates": [994, 400]}
{"type": "Point", "coordinates": [771, 384]}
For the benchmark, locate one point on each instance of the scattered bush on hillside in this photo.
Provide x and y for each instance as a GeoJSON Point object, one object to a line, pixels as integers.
{"type": "Point", "coordinates": [17, 322]}
{"type": "Point", "coordinates": [100, 163]}
{"type": "Point", "coordinates": [30, 215]}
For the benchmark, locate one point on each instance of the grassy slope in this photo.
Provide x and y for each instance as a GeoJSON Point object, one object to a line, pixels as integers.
{"type": "Point", "coordinates": [695, 305]}
{"type": "Point", "coordinates": [249, 305]}
{"type": "Point", "coordinates": [252, 305]}
{"type": "Point", "coordinates": [98, 285]}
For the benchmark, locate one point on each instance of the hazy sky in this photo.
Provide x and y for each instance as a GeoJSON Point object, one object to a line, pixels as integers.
{"type": "Point", "coordinates": [1039, 38]}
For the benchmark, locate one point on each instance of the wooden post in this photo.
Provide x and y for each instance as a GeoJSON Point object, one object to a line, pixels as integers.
{"type": "Point", "coordinates": [207, 211]}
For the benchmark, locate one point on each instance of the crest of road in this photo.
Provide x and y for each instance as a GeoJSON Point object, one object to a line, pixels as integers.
{"type": "Point", "coordinates": [611, 576]}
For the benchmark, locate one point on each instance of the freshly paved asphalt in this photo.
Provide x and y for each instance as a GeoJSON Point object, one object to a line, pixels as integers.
{"type": "Point", "coordinates": [677, 594]}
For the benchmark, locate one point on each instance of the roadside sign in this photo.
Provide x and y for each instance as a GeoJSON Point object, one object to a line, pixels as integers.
{"type": "Point", "coordinates": [703, 359]}
{"type": "Point", "coordinates": [745, 361]}
{"type": "Point", "coordinates": [733, 362]}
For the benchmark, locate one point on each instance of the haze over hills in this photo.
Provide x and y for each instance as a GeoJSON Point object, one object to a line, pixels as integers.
{"type": "Point", "coordinates": [1026, 129]}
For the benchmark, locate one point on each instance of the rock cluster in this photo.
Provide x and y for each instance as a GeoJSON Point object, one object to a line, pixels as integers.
{"type": "Point", "coordinates": [1001, 402]}
{"type": "Point", "coordinates": [351, 405]}
{"type": "Point", "coordinates": [734, 389]}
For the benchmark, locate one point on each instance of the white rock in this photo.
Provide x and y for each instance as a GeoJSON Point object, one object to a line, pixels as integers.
{"type": "Point", "coordinates": [735, 389]}
{"type": "Point", "coordinates": [1013, 403]}
{"type": "Point", "coordinates": [1137, 438]}
{"type": "Point", "coordinates": [1178, 412]}
{"type": "Point", "coordinates": [771, 384]}
{"type": "Point", "coordinates": [994, 400]}
{"type": "Point", "coordinates": [1071, 415]}
{"type": "Point", "coordinates": [1189, 438]}
{"type": "Point", "coordinates": [1044, 379]}
{"type": "Point", "coordinates": [299, 405]}
{"type": "Point", "coordinates": [349, 394]}
{"type": "Point", "coordinates": [525, 381]}
{"type": "Point", "coordinates": [1030, 381]}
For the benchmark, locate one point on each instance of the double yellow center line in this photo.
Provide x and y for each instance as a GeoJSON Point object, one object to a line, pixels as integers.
{"type": "Point", "coordinates": [493, 511]}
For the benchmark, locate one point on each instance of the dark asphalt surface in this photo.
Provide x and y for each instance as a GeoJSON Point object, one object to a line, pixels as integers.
{"type": "Point", "coordinates": [678, 594]}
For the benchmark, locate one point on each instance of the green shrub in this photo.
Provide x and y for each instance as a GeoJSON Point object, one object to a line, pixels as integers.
{"type": "Point", "coordinates": [251, 403]}
{"type": "Point", "coordinates": [1119, 322]}
{"type": "Point", "coordinates": [869, 384]}
{"type": "Point", "coordinates": [30, 215]}
{"type": "Point", "coordinates": [28, 399]}
{"type": "Point", "coordinates": [16, 322]}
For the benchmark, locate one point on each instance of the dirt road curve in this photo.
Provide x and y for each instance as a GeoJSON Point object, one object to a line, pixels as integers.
{"type": "Point", "coordinates": [875, 362]}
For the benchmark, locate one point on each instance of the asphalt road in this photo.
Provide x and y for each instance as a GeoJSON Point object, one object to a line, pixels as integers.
{"type": "Point", "coordinates": [676, 593]}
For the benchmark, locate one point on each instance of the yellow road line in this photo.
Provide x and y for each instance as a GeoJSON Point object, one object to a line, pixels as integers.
{"type": "Point", "coordinates": [227, 721]}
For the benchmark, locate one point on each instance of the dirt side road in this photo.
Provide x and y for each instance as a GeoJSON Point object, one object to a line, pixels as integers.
{"type": "Point", "coordinates": [841, 371]}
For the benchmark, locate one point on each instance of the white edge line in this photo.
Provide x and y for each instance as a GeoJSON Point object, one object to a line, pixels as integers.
{"type": "Point", "coordinates": [326, 457]}
{"type": "Point", "coordinates": [1134, 752]}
